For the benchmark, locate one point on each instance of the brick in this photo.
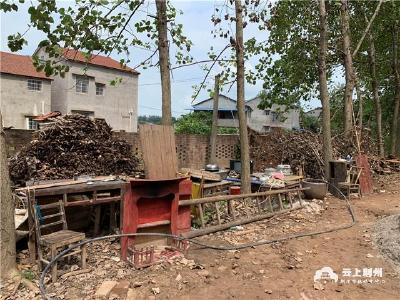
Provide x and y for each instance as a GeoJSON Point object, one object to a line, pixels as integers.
{"type": "Point", "coordinates": [105, 289]}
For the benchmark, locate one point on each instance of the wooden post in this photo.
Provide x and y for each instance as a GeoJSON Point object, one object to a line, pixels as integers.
{"type": "Point", "coordinates": [214, 127]}
{"type": "Point", "coordinates": [32, 228]}
{"type": "Point", "coordinates": [97, 212]}
{"type": "Point", "coordinates": [113, 219]}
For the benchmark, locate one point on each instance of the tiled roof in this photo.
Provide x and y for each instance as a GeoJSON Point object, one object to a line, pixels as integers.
{"type": "Point", "coordinates": [19, 65]}
{"type": "Point", "coordinates": [47, 116]}
{"type": "Point", "coordinates": [98, 60]}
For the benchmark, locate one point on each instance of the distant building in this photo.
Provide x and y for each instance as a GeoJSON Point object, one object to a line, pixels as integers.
{"type": "Point", "coordinates": [316, 112]}
{"type": "Point", "coordinates": [227, 110]}
{"type": "Point", "coordinates": [264, 120]}
{"type": "Point", "coordinates": [86, 89]}
{"type": "Point", "coordinates": [25, 93]}
{"type": "Point", "coordinates": [257, 119]}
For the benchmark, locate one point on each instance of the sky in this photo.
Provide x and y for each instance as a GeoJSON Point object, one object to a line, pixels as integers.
{"type": "Point", "coordinates": [196, 20]}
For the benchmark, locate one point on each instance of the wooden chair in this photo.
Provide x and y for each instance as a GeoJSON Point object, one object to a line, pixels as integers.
{"type": "Point", "coordinates": [352, 183]}
{"type": "Point", "coordinates": [58, 240]}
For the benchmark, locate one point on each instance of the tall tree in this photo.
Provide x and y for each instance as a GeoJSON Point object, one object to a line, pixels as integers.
{"type": "Point", "coordinates": [7, 230]}
{"type": "Point", "coordinates": [163, 54]}
{"type": "Point", "coordinates": [348, 65]}
{"type": "Point", "coordinates": [244, 139]}
{"type": "Point", "coordinates": [375, 93]}
{"type": "Point", "coordinates": [396, 73]}
{"type": "Point", "coordinates": [323, 87]}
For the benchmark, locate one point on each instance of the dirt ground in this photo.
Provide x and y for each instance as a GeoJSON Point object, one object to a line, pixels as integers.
{"type": "Point", "coordinates": [277, 271]}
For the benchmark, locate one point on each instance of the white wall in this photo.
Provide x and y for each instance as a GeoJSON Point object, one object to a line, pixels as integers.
{"type": "Point", "coordinates": [259, 120]}
{"type": "Point", "coordinates": [114, 106]}
{"type": "Point", "coordinates": [17, 101]}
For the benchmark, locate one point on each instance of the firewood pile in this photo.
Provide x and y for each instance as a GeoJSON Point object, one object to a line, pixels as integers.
{"type": "Point", "coordinates": [73, 145]}
{"type": "Point", "coordinates": [300, 149]}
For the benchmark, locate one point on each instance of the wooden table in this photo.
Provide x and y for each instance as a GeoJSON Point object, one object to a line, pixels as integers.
{"type": "Point", "coordinates": [89, 192]}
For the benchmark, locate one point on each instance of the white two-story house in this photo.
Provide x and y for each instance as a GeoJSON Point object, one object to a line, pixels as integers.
{"type": "Point", "coordinates": [264, 120]}
{"type": "Point", "coordinates": [86, 89]}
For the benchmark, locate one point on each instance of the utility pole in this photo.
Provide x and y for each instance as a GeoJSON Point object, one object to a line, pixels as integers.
{"type": "Point", "coordinates": [214, 126]}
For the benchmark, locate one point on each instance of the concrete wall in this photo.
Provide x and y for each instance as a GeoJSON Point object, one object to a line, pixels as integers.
{"type": "Point", "coordinates": [119, 104]}
{"type": "Point", "coordinates": [17, 102]}
{"type": "Point", "coordinates": [259, 121]}
{"type": "Point", "coordinates": [316, 112]}
{"type": "Point", "coordinates": [193, 151]}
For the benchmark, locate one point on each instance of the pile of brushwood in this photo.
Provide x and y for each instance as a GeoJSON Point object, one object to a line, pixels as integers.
{"type": "Point", "coordinates": [300, 149]}
{"type": "Point", "coordinates": [73, 145]}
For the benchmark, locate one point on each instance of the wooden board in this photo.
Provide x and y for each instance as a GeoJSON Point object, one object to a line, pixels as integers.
{"type": "Point", "coordinates": [199, 174]}
{"type": "Point", "coordinates": [159, 151]}
{"type": "Point", "coordinates": [366, 184]}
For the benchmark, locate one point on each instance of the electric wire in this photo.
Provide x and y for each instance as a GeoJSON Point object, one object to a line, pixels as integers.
{"type": "Point", "coordinates": [42, 287]}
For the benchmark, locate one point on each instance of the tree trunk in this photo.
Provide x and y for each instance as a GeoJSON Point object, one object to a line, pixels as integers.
{"type": "Point", "coordinates": [323, 88]}
{"type": "Point", "coordinates": [163, 54]}
{"type": "Point", "coordinates": [360, 100]}
{"type": "Point", "coordinates": [214, 126]}
{"type": "Point", "coordinates": [348, 65]}
{"type": "Point", "coordinates": [375, 94]}
{"type": "Point", "coordinates": [244, 139]}
{"type": "Point", "coordinates": [396, 72]}
{"type": "Point", "coordinates": [7, 237]}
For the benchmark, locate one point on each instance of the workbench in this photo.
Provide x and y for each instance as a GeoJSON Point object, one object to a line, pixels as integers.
{"type": "Point", "coordinates": [95, 192]}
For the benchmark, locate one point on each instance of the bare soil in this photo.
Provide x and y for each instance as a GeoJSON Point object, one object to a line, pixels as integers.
{"type": "Point", "coordinates": [278, 271]}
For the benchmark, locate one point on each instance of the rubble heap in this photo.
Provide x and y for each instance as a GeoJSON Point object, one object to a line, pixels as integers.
{"type": "Point", "coordinates": [300, 149]}
{"type": "Point", "coordinates": [73, 145]}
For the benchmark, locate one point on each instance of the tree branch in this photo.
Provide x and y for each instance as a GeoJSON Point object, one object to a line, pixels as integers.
{"type": "Point", "coordinates": [147, 59]}
{"type": "Point", "coordinates": [200, 62]}
{"type": "Point", "coordinates": [208, 72]}
{"type": "Point", "coordinates": [367, 28]}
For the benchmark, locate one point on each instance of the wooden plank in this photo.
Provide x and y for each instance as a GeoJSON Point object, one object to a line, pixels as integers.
{"type": "Point", "coordinates": [365, 180]}
{"type": "Point", "coordinates": [64, 182]}
{"type": "Point", "coordinates": [159, 151]}
{"type": "Point", "coordinates": [201, 174]}
{"type": "Point", "coordinates": [78, 188]}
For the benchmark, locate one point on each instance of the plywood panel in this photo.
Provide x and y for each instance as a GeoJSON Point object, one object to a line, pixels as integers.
{"type": "Point", "coordinates": [159, 151]}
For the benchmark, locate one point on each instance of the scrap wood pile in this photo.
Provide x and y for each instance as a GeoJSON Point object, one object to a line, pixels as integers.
{"type": "Point", "coordinates": [73, 145]}
{"type": "Point", "coordinates": [300, 149]}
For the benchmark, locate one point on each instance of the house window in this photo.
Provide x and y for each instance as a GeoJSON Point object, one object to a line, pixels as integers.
{"type": "Point", "coordinates": [31, 124]}
{"type": "Point", "coordinates": [34, 85]}
{"type": "Point", "coordinates": [82, 84]}
{"type": "Point", "coordinates": [274, 116]}
{"type": "Point", "coordinates": [100, 89]}
{"type": "Point", "coordinates": [267, 111]}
